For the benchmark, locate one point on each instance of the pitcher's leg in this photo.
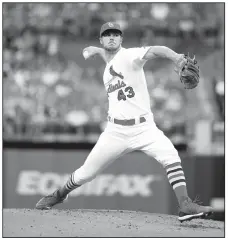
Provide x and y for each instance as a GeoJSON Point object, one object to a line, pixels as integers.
{"type": "Point", "coordinates": [165, 153]}
{"type": "Point", "coordinates": [108, 148]}
{"type": "Point", "coordinates": [162, 149]}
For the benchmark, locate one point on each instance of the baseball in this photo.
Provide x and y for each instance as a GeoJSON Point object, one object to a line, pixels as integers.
{"type": "Point", "coordinates": [85, 54]}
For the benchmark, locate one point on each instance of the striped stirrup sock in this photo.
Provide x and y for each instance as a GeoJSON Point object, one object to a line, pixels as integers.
{"type": "Point", "coordinates": [71, 185]}
{"type": "Point", "coordinates": [175, 175]}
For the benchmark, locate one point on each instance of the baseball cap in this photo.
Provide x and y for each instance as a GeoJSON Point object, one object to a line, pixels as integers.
{"type": "Point", "coordinates": [110, 26]}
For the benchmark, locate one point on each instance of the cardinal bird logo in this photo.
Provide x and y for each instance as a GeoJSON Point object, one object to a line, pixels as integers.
{"type": "Point", "coordinates": [114, 73]}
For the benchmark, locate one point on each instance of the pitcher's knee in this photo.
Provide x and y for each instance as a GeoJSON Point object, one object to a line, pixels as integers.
{"type": "Point", "coordinates": [169, 158]}
{"type": "Point", "coordinates": [83, 175]}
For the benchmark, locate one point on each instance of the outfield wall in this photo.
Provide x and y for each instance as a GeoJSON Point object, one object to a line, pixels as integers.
{"type": "Point", "coordinates": [133, 182]}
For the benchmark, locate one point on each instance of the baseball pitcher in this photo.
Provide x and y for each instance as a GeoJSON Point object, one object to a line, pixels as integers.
{"type": "Point", "coordinates": [131, 123]}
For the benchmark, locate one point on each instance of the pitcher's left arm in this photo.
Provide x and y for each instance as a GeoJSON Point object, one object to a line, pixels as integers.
{"type": "Point", "coordinates": [186, 67]}
{"type": "Point", "coordinates": [164, 52]}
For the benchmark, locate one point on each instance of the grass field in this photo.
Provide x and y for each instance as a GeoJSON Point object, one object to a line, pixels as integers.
{"type": "Point", "coordinates": [103, 223]}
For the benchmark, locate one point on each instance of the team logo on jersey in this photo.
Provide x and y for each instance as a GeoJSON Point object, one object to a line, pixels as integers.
{"type": "Point", "coordinates": [117, 86]}
{"type": "Point", "coordinates": [114, 73]}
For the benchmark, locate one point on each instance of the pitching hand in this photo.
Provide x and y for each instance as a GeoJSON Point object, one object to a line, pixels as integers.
{"type": "Point", "coordinates": [92, 51]}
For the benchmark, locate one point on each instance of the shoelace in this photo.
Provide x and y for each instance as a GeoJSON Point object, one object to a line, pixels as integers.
{"type": "Point", "coordinates": [197, 200]}
{"type": "Point", "coordinates": [54, 194]}
{"type": "Point", "coordinates": [192, 206]}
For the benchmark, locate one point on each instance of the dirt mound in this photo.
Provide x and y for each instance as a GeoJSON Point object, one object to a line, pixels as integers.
{"type": "Point", "coordinates": [103, 223]}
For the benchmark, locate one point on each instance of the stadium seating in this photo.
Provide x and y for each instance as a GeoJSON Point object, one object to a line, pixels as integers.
{"type": "Point", "coordinates": [45, 77]}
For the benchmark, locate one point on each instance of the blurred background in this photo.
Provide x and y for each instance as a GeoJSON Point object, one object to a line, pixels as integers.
{"type": "Point", "coordinates": [55, 104]}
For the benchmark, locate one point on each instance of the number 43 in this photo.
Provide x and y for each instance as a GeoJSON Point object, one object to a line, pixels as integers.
{"type": "Point", "coordinates": [122, 96]}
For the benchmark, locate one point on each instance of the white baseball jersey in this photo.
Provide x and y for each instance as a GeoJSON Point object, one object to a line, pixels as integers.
{"type": "Point", "coordinates": [125, 83]}
{"type": "Point", "coordinates": [126, 87]}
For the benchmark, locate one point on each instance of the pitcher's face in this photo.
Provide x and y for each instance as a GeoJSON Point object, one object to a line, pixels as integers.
{"type": "Point", "coordinates": [111, 40]}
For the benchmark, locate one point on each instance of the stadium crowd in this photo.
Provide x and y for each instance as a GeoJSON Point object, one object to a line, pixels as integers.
{"type": "Point", "coordinates": [49, 91]}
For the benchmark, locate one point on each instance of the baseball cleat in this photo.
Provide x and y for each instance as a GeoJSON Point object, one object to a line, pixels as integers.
{"type": "Point", "coordinates": [190, 210]}
{"type": "Point", "coordinates": [51, 200]}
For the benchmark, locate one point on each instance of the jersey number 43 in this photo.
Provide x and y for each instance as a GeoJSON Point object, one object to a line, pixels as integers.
{"type": "Point", "coordinates": [129, 92]}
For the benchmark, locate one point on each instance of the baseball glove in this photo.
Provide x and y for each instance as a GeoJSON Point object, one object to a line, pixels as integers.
{"type": "Point", "coordinates": [188, 71]}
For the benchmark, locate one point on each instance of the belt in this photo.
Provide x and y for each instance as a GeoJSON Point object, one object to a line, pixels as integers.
{"type": "Point", "coordinates": [127, 122]}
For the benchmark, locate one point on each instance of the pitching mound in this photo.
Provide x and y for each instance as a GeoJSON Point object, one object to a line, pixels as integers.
{"type": "Point", "coordinates": [103, 223]}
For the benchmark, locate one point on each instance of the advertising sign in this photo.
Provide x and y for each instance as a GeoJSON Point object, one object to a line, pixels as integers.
{"type": "Point", "coordinates": [132, 182]}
